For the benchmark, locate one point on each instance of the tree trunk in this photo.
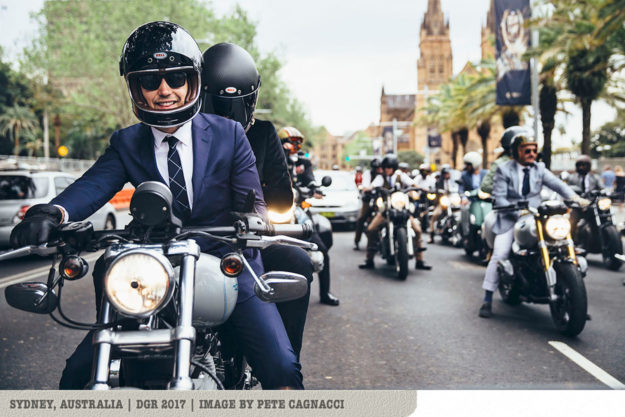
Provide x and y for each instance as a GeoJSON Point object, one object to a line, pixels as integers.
{"type": "Point", "coordinates": [463, 135]}
{"type": "Point", "coordinates": [16, 150]}
{"type": "Point", "coordinates": [548, 106]}
{"type": "Point", "coordinates": [509, 117]}
{"type": "Point", "coordinates": [586, 104]}
{"type": "Point", "coordinates": [483, 129]}
{"type": "Point", "coordinates": [454, 148]}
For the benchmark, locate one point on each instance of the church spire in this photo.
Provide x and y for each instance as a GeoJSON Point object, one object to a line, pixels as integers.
{"type": "Point", "coordinates": [434, 20]}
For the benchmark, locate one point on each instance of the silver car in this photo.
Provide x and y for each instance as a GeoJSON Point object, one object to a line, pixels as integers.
{"type": "Point", "coordinates": [341, 204]}
{"type": "Point", "coordinates": [19, 190]}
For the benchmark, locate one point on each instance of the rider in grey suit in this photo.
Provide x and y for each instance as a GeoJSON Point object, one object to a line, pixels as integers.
{"type": "Point", "coordinates": [521, 178]}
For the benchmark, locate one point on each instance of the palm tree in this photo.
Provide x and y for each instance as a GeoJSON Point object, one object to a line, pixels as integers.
{"type": "Point", "coordinates": [16, 119]}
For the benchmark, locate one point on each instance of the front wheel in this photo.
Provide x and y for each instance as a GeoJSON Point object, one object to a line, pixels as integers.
{"type": "Point", "coordinates": [401, 253]}
{"type": "Point", "coordinates": [612, 246]}
{"type": "Point", "coordinates": [569, 311]}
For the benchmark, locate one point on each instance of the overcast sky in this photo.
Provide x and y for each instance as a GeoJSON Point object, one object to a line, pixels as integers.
{"type": "Point", "coordinates": [337, 54]}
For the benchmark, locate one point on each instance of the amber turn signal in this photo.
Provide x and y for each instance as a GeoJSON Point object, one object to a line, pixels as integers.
{"type": "Point", "coordinates": [73, 267]}
{"type": "Point", "coordinates": [231, 265]}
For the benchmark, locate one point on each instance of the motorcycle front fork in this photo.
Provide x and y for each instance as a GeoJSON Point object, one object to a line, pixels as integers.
{"type": "Point", "coordinates": [182, 336]}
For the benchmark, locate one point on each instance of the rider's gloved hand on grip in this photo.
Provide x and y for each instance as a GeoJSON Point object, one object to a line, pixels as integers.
{"type": "Point", "coordinates": [581, 201]}
{"type": "Point", "coordinates": [39, 225]}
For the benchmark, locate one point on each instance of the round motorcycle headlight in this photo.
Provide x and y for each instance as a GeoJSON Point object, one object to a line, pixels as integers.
{"type": "Point", "coordinates": [412, 207]}
{"type": "Point", "coordinates": [444, 201]}
{"type": "Point", "coordinates": [278, 218]}
{"type": "Point", "coordinates": [399, 200]}
{"type": "Point", "coordinates": [558, 227]}
{"type": "Point", "coordinates": [455, 199]}
{"type": "Point", "coordinates": [414, 195]}
{"type": "Point", "coordinates": [139, 283]}
{"type": "Point", "coordinates": [380, 203]}
{"type": "Point", "coordinates": [604, 204]}
{"type": "Point", "coordinates": [482, 195]}
{"type": "Point", "coordinates": [431, 196]}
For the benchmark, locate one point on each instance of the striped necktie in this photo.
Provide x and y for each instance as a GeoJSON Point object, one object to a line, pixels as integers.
{"type": "Point", "coordinates": [177, 184]}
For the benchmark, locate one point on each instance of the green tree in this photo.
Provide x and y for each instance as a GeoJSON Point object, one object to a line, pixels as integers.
{"type": "Point", "coordinates": [361, 143]}
{"type": "Point", "coordinates": [414, 159]}
{"type": "Point", "coordinates": [611, 134]}
{"type": "Point", "coordinates": [16, 119]}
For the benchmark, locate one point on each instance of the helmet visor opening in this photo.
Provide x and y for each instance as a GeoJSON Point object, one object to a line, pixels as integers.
{"type": "Point", "coordinates": [151, 80]}
{"type": "Point", "coordinates": [239, 109]}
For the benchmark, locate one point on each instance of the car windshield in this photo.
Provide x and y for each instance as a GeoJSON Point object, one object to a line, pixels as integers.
{"type": "Point", "coordinates": [21, 187]}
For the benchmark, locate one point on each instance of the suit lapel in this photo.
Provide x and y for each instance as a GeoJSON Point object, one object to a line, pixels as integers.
{"type": "Point", "coordinates": [147, 155]}
{"type": "Point", "coordinates": [515, 178]}
{"type": "Point", "coordinates": [201, 147]}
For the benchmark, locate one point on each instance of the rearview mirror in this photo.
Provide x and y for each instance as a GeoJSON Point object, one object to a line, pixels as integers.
{"type": "Point", "coordinates": [326, 181]}
{"type": "Point", "coordinates": [29, 296]}
{"type": "Point", "coordinates": [285, 286]}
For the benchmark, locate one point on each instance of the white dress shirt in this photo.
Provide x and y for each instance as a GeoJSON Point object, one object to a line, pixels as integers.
{"type": "Point", "coordinates": [405, 180]}
{"type": "Point", "coordinates": [185, 151]}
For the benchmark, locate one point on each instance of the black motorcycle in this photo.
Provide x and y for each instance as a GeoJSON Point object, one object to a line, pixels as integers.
{"type": "Point", "coordinates": [543, 266]}
{"type": "Point", "coordinates": [396, 237]}
{"type": "Point", "coordinates": [595, 232]}
{"type": "Point", "coordinates": [448, 224]}
{"type": "Point", "coordinates": [163, 299]}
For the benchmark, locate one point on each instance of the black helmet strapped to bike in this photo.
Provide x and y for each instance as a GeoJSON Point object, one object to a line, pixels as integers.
{"type": "Point", "coordinates": [160, 50]}
{"type": "Point", "coordinates": [390, 161]}
{"type": "Point", "coordinates": [230, 83]}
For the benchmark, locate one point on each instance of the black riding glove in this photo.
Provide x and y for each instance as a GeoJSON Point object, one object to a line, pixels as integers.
{"type": "Point", "coordinates": [39, 225]}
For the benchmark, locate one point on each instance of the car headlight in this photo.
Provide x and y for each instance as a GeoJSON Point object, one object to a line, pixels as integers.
{"type": "Point", "coordinates": [482, 195]}
{"type": "Point", "coordinates": [284, 217]}
{"type": "Point", "coordinates": [604, 204]}
{"type": "Point", "coordinates": [431, 196]}
{"type": "Point", "coordinates": [139, 283]}
{"type": "Point", "coordinates": [399, 200]}
{"type": "Point", "coordinates": [444, 201]}
{"type": "Point", "coordinates": [380, 203]}
{"type": "Point", "coordinates": [455, 199]}
{"type": "Point", "coordinates": [558, 227]}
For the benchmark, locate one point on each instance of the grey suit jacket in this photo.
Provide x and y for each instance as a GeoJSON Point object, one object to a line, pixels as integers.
{"type": "Point", "coordinates": [506, 191]}
{"type": "Point", "coordinates": [594, 181]}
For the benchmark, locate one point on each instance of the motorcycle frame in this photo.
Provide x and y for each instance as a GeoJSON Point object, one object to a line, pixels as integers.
{"type": "Point", "coordinates": [182, 337]}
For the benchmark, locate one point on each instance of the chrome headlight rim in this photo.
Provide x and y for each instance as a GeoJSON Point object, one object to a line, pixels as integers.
{"type": "Point", "coordinates": [558, 227]}
{"type": "Point", "coordinates": [169, 275]}
{"type": "Point", "coordinates": [604, 203]}
{"type": "Point", "coordinates": [399, 200]}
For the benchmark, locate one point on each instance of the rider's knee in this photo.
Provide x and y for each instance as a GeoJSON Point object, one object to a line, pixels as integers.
{"type": "Point", "coordinates": [281, 370]}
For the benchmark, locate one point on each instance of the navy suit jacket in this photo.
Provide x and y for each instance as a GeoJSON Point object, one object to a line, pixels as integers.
{"type": "Point", "coordinates": [224, 170]}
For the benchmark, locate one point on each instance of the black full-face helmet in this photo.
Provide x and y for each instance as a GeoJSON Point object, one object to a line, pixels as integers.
{"type": "Point", "coordinates": [375, 163]}
{"type": "Point", "coordinates": [160, 50]}
{"type": "Point", "coordinates": [390, 161]}
{"type": "Point", "coordinates": [230, 83]}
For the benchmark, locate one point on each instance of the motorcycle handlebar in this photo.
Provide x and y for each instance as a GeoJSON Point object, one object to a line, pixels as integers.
{"type": "Point", "coordinates": [293, 230]}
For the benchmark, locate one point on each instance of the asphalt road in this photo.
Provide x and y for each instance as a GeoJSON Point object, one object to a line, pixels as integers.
{"type": "Point", "coordinates": [422, 333]}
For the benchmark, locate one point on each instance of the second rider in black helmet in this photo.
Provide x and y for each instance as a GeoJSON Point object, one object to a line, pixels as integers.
{"type": "Point", "coordinates": [230, 83]}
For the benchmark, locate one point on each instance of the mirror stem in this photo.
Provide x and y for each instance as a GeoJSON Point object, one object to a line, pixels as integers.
{"type": "Point", "coordinates": [262, 284]}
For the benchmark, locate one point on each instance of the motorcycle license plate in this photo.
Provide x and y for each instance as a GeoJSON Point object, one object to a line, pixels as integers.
{"type": "Point", "coordinates": [327, 214]}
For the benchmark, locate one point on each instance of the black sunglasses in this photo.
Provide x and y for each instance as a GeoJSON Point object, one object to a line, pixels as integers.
{"type": "Point", "coordinates": [530, 150]}
{"type": "Point", "coordinates": [151, 82]}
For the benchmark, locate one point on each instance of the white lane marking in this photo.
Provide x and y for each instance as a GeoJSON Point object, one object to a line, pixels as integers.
{"type": "Point", "coordinates": [33, 273]}
{"type": "Point", "coordinates": [587, 365]}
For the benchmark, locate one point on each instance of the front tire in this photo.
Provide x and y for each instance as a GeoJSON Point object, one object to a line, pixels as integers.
{"type": "Point", "coordinates": [401, 253]}
{"type": "Point", "coordinates": [569, 312]}
{"type": "Point", "coordinates": [613, 245]}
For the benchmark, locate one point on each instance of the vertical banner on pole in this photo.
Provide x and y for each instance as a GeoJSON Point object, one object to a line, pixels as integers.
{"type": "Point", "coordinates": [512, 41]}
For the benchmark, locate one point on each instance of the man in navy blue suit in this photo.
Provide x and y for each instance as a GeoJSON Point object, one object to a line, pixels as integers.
{"type": "Point", "coordinates": [209, 166]}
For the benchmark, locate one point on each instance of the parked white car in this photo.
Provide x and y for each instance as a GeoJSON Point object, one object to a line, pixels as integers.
{"type": "Point", "coordinates": [341, 204]}
{"type": "Point", "coordinates": [19, 190]}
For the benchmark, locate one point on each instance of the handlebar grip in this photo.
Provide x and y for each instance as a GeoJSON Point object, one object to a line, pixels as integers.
{"type": "Point", "coordinates": [509, 207]}
{"type": "Point", "coordinates": [302, 231]}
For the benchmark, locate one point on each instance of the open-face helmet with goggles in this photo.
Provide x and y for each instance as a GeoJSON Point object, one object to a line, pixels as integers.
{"type": "Point", "coordinates": [230, 83]}
{"type": "Point", "coordinates": [160, 51]}
{"type": "Point", "coordinates": [291, 139]}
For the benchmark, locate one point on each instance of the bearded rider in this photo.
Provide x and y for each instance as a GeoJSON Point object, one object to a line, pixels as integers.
{"type": "Point", "coordinates": [521, 178]}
